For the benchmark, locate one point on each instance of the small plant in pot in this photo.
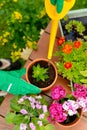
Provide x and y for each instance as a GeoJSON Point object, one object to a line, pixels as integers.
{"type": "Point", "coordinates": [42, 73]}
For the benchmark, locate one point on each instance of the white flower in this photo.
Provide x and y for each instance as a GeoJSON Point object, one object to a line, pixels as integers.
{"type": "Point", "coordinates": [39, 123]}
{"type": "Point", "coordinates": [71, 112]}
{"type": "Point", "coordinates": [38, 97]}
{"type": "Point", "coordinates": [41, 116]}
{"type": "Point", "coordinates": [23, 126]}
{"type": "Point", "coordinates": [44, 107]}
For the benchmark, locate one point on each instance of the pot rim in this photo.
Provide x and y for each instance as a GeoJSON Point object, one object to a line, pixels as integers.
{"type": "Point", "coordinates": [42, 59]}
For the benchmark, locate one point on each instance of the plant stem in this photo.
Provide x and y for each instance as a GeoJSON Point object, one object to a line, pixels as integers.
{"type": "Point", "coordinates": [71, 85]}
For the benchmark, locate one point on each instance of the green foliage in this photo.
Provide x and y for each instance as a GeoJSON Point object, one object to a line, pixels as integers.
{"type": "Point", "coordinates": [84, 74]}
{"type": "Point", "coordinates": [20, 25]}
{"type": "Point", "coordinates": [72, 59]}
{"type": "Point", "coordinates": [28, 109]}
{"type": "Point", "coordinates": [49, 127]}
{"type": "Point", "coordinates": [79, 4]}
{"type": "Point", "coordinates": [76, 25]}
{"type": "Point", "coordinates": [39, 73]}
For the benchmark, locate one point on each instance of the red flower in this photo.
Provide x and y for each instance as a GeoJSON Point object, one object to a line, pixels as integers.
{"type": "Point", "coordinates": [68, 65]}
{"type": "Point", "coordinates": [67, 49]}
{"type": "Point", "coordinates": [77, 44]}
{"type": "Point", "coordinates": [60, 41]}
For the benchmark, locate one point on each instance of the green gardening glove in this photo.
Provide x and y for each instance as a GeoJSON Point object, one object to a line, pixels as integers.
{"type": "Point", "coordinates": [59, 5]}
{"type": "Point", "coordinates": [11, 82]}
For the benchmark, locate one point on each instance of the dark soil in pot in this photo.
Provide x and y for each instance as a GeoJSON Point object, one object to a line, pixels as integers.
{"type": "Point", "coordinates": [50, 72]}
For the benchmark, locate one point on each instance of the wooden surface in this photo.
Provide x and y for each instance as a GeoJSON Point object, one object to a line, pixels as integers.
{"type": "Point", "coordinates": [41, 52]}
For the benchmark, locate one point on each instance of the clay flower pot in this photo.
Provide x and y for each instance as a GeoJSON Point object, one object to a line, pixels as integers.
{"type": "Point", "coordinates": [52, 74]}
{"type": "Point", "coordinates": [74, 122]}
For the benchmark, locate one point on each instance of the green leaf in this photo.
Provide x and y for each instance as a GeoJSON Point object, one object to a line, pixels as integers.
{"type": "Point", "coordinates": [49, 127]}
{"type": "Point", "coordinates": [9, 118]}
{"type": "Point", "coordinates": [83, 80]}
{"type": "Point", "coordinates": [18, 119]}
{"type": "Point", "coordinates": [39, 73]}
{"type": "Point", "coordinates": [14, 104]}
{"type": "Point", "coordinates": [17, 127]}
{"type": "Point", "coordinates": [84, 73]}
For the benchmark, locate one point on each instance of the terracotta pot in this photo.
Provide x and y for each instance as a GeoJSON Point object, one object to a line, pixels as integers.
{"type": "Point", "coordinates": [37, 61]}
{"type": "Point", "coordinates": [71, 124]}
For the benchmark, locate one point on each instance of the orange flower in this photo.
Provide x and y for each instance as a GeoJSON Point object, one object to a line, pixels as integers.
{"type": "Point", "coordinates": [67, 49]}
{"type": "Point", "coordinates": [61, 40]}
{"type": "Point", "coordinates": [68, 65]}
{"type": "Point", "coordinates": [77, 44]}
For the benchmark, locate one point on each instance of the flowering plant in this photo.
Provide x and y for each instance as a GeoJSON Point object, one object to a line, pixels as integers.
{"type": "Point", "coordinates": [65, 107]}
{"type": "Point", "coordinates": [21, 22]}
{"type": "Point", "coordinates": [28, 113]}
{"type": "Point", "coordinates": [72, 58]}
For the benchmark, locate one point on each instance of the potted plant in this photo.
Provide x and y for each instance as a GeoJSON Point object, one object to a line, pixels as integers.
{"type": "Point", "coordinates": [28, 112]}
{"type": "Point", "coordinates": [74, 24]}
{"type": "Point", "coordinates": [72, 58]}
{"type": "Point", "coordinates": [42, 73]}
{"type": "Point", "coordinates": [66, 109]}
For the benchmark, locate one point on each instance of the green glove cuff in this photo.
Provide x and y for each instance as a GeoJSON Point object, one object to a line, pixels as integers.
{"type": "Point", "coordinates": [17, 73]}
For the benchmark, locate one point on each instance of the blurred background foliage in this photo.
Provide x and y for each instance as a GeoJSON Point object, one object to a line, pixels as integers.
{"type": "Point", "coordinates": [20, 24]}
{"type": "Point", "coordinates": [80, 4]}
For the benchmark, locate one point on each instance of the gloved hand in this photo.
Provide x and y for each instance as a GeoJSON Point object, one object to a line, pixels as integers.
{"type": "Point", "coordinates": [11, 82]}
{"type": "Point", "coordinates": [59, 5]}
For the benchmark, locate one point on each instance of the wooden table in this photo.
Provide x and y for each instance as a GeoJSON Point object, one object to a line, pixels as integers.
{"type": "Point", "coordinates": [41, 52]}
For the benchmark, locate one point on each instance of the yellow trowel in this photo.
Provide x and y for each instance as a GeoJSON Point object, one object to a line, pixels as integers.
{"type": "Point", "coordinates": [56, 10]}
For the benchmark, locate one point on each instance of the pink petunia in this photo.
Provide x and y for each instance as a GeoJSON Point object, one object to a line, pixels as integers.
{"type": "Point", "coordinates": [58, 92]}
{"type": "Point", "coordinates": [23, 111]}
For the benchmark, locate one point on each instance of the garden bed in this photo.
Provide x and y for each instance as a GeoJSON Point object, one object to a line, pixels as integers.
{"type": "Point", "coordinates": [42, 43]}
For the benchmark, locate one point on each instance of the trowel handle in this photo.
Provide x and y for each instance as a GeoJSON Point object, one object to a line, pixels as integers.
{"type": "Point", "coordinates": [54, 27]}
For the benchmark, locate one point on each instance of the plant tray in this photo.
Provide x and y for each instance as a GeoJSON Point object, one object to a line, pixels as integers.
{"type": "Point", "coordinates": [80, 15]}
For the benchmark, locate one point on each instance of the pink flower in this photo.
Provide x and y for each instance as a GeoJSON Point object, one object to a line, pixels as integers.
{"type": "Point", "coordinates": [80, 91]}
{"type": "Point", "coordinates": [23, 111]}
{"type": "Point", "coordinates": [61, 117]}
{"type": "Point", "coordinates": [58, 92]}
{"type": "Point", "coordinates": [38, 105]}
{"type": "Point", "coordinates": [31, 99]}
{"type": "Point", "coordinates": [23, 126]}
{"type": "Point", "coordinates": [57, 113]}
{"type": "Point", "coordinates": [32, 126]}
{"type": "Point", "coordinates": [22, 99]}
{"type": "Point", "coordinates": [82, 102]}
{"type": "Point", "coordinates": [32, 105]}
